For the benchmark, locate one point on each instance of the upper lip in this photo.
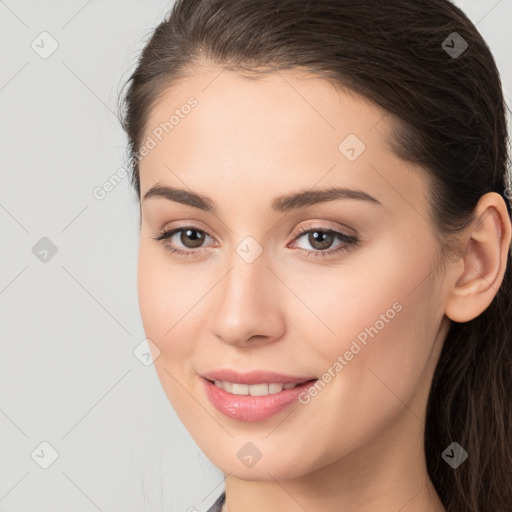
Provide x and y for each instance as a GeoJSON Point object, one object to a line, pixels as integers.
{"type": "Point", "coordinates": [253, 377]}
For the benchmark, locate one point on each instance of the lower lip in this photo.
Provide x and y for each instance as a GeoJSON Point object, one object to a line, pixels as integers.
{"type": "Point", "coordinates": [252, 408]}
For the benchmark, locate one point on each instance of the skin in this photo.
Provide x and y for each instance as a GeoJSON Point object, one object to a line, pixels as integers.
{"type": "Point", "coordinates": [357, 445]}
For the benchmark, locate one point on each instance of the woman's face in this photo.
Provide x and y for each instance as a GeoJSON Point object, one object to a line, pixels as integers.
{"type": "Point", "coordinates": [250, 291]}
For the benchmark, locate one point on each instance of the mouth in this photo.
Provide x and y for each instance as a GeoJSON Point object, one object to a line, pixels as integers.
{"type": "Point", "coordinates": [254, 402]}
{"type": "Point", "coordinates": [259, 389]}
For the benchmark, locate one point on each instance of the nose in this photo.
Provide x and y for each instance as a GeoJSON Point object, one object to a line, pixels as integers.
{"type": "Point", "coordinates": [248, 304]}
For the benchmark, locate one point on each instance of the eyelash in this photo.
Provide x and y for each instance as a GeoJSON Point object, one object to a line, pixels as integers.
{"type": "Point", "coordinates": [350, 241]}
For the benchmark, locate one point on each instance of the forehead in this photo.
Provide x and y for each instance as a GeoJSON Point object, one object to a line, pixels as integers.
{"type": "Point", "coordinates": [289, 129]}
{"type": "Point", "coordinates": [290, 104]}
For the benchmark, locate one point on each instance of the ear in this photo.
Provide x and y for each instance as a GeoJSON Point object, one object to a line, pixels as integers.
{"type": "Point", "coordinates": [476, 277]}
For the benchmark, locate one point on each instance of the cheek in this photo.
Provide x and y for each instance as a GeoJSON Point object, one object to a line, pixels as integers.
{"type": "Point", "coordinates": [382, 290]}
{"type": "Point", "coordinates": [166, 309]}
{"type": "Point", "coordinates": [383, 329]}
{"type": "Point", "coordinates": [164, 298]}
{"type": "Point", "coordinates": [152, 301]}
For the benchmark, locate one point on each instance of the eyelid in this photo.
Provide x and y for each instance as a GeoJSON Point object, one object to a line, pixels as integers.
{"type": "Point", "coordinates": [184, 226]}
{"type": "Point", "coordinates": [168, 232]}
{"type": "Point", "coordinates": [301, 230]}
{"type": "Point", "coordinates": [349, 241]}
{"type": "Point", "coordinates": [311, 225]}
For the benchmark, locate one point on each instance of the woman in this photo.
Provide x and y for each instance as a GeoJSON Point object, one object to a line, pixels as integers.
{"type": "Point", "coordinates": [324, 264]}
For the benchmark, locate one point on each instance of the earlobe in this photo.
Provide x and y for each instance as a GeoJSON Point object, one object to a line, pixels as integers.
{"type": "Point", "coordinates": [479, 274]}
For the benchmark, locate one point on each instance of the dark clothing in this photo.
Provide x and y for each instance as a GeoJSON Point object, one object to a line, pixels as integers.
{"type": "Point", "coordinates": [217, 506]}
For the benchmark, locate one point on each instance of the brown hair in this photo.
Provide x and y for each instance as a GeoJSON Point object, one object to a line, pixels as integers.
{"type": "Point", "coordinates": [448, 115]}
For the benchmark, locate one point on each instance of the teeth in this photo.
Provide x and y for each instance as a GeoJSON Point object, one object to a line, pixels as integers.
{"type": "Point", "coordinates": [254, 389]}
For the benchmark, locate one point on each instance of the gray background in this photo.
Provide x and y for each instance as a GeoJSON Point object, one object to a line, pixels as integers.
{"type": "Point", "coordinates": [70, 322]}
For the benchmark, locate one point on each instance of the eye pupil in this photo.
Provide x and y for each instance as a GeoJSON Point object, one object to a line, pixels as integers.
{"type": "Point", "coordinates": [196, 240]}
{"type": "Point", "coordinates": [320, 237]}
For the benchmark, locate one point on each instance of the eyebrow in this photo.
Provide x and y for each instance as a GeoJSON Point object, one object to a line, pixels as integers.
{"type": "Point", "coordinates": [283, 203]}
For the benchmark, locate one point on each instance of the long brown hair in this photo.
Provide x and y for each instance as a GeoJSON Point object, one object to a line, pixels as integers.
{"type": "Point", "coordinates": [443, 93]}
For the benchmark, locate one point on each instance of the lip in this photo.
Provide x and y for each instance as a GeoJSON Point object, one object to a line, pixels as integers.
{"type": "Point", "coordinates": [253, 408]}
{"type": "Point", "coordinates": [253, 377]}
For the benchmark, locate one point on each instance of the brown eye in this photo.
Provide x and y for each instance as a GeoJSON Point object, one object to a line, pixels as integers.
{"type": "Point", "coordinates": [191, 238]}
{"type": "Point", "coordinates": [320, 239]}
{"type": "Point", "coordinates": [185, 241]}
